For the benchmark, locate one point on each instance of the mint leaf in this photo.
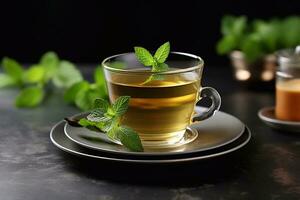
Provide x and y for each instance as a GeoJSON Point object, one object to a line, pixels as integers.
{"type": "Point", "coordinates": [233, 25]}
{"type": "Point", "coordinates": [82, 101]}
{"type": "Point", "coordinates": [101, 89]}
{"type": "Point", "coordinates": [100, 81]}
{"type": "Point", "coordinates": [50, 62]}
{"type": "Point", "coordinates": [101, 104]}
{"type": "Point", "coordinates": [252, 47]}
{"type": "Point", "coordinates": [108, 124]}
{"type": "Point", "coordinates": [98, 120]}
{"type": "Point", "coordinates": [144, 56]}
{"type": "Point", "coordinates": [13, 69]}
{"type": "Point", "coordinates": [227, 24]}
{"type": "Point", "coordinates": [233, 30]}
{"type": "Point", "coordinates": [161, 67]}
{"type": "Point", "coordinates": [239, 25]}
{"type": "Point", "coordinates": [71, 93]}
{"type": "Point", "coordinates": [89, 124]}
{"type": "Point", "coordinates": [85, 122]}
{"type": "Point", "coordinates": [120, 106]}
{"type": "Point", "coordinates": [269, 33]}
{"type": "Point", "coordinates": [97, 116]}
{"type": "Point", "coordinates": [162, 53]}
{"type": "Point", "coordinates": [49, 58]}
{"type": "Point", "coordinates": [30, 97]}
{"type": "Point", "coordinates": [99, 76]}
{"type": "Point", "coordinates": [66, 75]}
{"type": "Point", "coordinates": [129, 138]}
{"type": "Point", "coordinates": [226, 44]}
{"type": "Point", "coordinates": [291, 31]}
{"type": "Point", "coordinates": [112, 132]}
{"type": "Point", "coordinates": [92, 95]}
{"type": "Point", "coordinates": [86, 97]}
{"type": "Point", "coordinates": [6, 80]}
{"type": "Point", "coordinates": [34, 74]}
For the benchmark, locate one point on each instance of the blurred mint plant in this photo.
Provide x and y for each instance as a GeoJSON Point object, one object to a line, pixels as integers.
{"type": "Point", "coordinates": [62, 74]}
{"type": "Point", "coordinates": [258, 37]}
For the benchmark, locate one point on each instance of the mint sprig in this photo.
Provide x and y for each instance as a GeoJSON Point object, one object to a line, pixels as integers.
{"type": "Point", "coordinates": [156, 61]}
{"type": "Point", "coordinates": [13, 69]}
{"type": "Point", "coordinates": [257, 37]}
{"type": "Point", "coordinates": [35, 80]}
{"type": "Point", "coordinates": [107, 118]}
{"type": "Point", "coordinates": [30, 97]}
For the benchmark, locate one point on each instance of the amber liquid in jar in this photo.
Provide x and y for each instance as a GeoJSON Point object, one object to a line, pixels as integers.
{"type": "Point", "coordinates": [288, 100]}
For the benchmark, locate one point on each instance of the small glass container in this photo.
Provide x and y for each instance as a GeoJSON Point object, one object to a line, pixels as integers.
{"type": "Point", "coordinates": [288, 85]}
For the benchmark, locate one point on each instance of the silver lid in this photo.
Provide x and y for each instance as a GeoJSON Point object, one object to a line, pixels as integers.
{"type": "Point", "coordinates": [289, 57]}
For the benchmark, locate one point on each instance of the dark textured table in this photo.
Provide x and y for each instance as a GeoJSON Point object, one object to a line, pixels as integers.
{"type": "Point", "coordinates": [31, 167]}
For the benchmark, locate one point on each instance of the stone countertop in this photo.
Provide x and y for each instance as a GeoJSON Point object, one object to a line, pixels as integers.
{"type": "Point", "coordinates": [31, 167]}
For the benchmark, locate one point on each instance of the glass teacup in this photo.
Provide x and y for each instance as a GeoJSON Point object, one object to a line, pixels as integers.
{"type": "Point", "coordinates": [160, 110]}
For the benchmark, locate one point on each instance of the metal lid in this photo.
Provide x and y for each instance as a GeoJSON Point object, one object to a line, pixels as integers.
{"type": "Point", "coordinates": [289, 56]}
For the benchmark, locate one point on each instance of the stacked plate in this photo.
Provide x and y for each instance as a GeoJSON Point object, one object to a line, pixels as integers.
{"type": "Point", "coordinates": [220, 135]}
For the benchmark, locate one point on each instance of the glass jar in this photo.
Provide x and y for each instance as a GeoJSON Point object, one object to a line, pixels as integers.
{"type": "Point", "coordinates": [288, 85]}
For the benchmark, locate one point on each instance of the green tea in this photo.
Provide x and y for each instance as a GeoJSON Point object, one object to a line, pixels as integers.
{"type": "Point", "coordinates": [159, 110]}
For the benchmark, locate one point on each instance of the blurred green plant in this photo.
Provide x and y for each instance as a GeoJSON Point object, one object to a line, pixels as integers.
{"type": "Point", "coordinates": [61, 74]}
{"type": "Point", "coordinates": [258, 37]}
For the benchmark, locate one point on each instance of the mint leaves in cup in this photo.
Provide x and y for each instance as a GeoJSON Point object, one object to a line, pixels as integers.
{"type": "Point", "coordinates": [156, 61]}
{"type": "Point", "coordinates": [107, 118]}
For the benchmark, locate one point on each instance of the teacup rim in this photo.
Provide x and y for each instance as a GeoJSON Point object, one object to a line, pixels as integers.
{"type": "Point", "coordinates": [177, 71]}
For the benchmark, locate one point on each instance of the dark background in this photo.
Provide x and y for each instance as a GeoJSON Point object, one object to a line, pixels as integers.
{"type": "Point", "coordinates": [87, 31]}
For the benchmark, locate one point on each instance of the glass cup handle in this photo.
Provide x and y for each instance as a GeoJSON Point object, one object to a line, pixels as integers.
{"type": "Point", "coordinates": [215, 105]}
